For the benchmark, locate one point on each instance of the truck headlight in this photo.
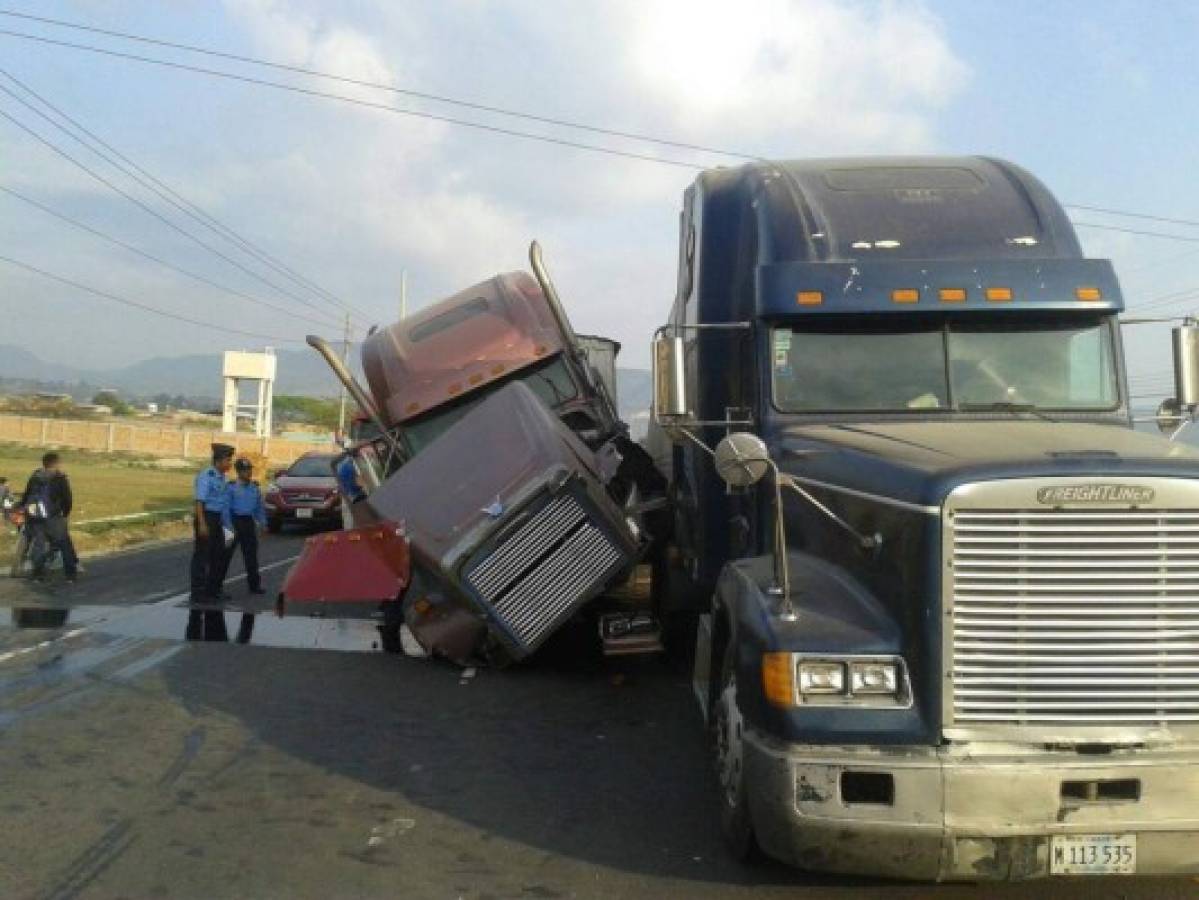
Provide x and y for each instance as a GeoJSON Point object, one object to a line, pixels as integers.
{"type": "Point", "coordinates": [880, 677]}
{"type": "Point", "coordinates": [795, 679]}
{"type": "Point", "coordinates": [821, 678]}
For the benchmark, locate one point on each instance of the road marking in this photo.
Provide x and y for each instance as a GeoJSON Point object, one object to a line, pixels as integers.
{"type": "Point", "coordinates": [135, 610]}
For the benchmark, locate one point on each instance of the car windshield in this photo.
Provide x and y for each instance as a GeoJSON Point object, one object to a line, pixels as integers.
{"type": "Point", "coordinates": [312, 467]}
{"type": "Point", "coordinates": [1048, 363]}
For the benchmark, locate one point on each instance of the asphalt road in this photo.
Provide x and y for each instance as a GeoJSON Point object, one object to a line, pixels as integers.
{"type": "Point", "coordinates": [307, 763]}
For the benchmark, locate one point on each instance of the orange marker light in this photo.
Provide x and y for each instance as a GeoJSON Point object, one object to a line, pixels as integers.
{"type": "Point", "coordinates": [1088, 293]}
{"type": "Point", "coordinates": [475, 378]}
{"type": "Point", "coordinates": [455, 388]}
{"type": "Point", "coordinates": [999, 294]}
{"type": "Point", "coordinates": [778, 678]}
{"type": "Point", "coordinates": [905, 295]}
{"type": "Point", "coordinates": [809, 298]}
{"type": "Point", "coordinates": [953, 295]}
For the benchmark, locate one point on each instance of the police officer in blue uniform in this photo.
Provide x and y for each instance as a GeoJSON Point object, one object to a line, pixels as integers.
{"type": "Point", "coordinates": [245, 514]}
{"type": "Point", "coordinates": [209, 558]}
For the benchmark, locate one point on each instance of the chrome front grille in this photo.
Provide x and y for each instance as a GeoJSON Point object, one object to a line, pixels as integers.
{"type": "Point", "coordinates": [537, 576]}
{"type": "Point", "coordinates": [551, 524]}
{"type": "Point", "coordinates": [1073, 616]}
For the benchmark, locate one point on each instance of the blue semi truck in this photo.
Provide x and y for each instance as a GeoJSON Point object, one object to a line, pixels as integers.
{"type": "Point", "coordinates": [947, 599]}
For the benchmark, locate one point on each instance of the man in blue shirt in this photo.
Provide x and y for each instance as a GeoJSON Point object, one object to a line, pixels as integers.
{"type": "Point", "coordinates": [209, 558]}
{"type": "Point", "coordinates": [246, 514]}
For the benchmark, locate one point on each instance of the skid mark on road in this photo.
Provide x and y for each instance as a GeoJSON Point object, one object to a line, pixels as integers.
{"type": "Point", "coordinates": [93, 862]}
{"type": "Point", "coordinates": [192, 743]}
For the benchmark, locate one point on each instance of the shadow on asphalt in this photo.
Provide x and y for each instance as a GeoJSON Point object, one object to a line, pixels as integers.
{"type": "Point", "coordinates": [601, 762]}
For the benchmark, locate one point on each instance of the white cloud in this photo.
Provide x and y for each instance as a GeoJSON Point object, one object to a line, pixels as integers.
{"type": "Point", "coordinates": [349, 196]}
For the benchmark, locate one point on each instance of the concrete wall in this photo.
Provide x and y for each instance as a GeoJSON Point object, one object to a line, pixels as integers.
{"type": "Point", "coordinates": [147, 440]}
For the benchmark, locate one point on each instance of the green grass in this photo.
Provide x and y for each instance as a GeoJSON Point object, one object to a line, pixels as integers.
{"type": "Point", "coordinates": [105, 484]}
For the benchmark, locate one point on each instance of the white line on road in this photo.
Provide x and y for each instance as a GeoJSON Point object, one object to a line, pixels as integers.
{"type": "Point", "coordinates": [140, 608]}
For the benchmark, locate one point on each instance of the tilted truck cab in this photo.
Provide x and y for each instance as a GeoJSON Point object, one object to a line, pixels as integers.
{"type": "Point", "coordinates": [950, 606]}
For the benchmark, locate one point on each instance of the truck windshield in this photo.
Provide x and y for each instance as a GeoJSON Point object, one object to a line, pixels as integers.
{"type": "Point", "coordinates": [551, 382]}
{"type": "Point", "coordinates": [1048, 363]}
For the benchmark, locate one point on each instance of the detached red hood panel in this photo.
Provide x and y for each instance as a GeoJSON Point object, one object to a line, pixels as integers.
{"type": "Point", "coordinates": [368, 564]}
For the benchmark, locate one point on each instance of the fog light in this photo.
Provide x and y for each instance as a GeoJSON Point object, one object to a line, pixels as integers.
{"type": "Point", "coordinates": [821, 678]}
{"type": "Point", "coordinates": [873, 677]}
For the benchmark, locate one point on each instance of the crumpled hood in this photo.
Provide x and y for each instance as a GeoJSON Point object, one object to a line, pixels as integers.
{"type": "Point", "coordinates": [921, 462]}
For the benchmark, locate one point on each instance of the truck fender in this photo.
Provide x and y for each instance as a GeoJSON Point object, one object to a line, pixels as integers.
{"type": "Point", "coordinates": [714, 630]}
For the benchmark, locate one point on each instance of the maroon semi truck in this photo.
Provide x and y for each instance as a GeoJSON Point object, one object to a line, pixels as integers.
{"type": "Point", "coordinates": [499, 455]}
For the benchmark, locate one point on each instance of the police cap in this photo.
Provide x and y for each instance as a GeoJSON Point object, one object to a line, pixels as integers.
{"type": "Point", "coordinates": [222, 451]}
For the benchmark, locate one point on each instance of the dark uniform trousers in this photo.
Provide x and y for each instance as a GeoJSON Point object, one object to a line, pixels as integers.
{"type": "Point", "coordinates": [209, 560]}
{"type": "Point", "coordinates": [245, 535]}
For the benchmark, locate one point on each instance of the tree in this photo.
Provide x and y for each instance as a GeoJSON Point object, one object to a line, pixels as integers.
{"type": "Point", "coordinates": [113, 401]}
{"type": "Point", "coordinates": [319, 411]}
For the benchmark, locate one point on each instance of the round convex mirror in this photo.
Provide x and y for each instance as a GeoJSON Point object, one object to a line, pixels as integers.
{"type": "Point", "coordinates": [742, 459]}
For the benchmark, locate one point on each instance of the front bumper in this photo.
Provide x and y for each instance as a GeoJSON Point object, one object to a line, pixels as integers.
{"type": "Point", "coordinates": [966, 814]}
{"type": "Point", "coordinates": [323, 513]}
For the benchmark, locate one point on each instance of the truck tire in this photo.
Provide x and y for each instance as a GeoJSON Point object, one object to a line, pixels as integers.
{"type": "Point", "coordinates": [736, 823]}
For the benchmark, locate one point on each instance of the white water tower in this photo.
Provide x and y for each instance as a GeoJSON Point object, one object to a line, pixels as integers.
{"type": "Point", "coordinates": [259, 368]}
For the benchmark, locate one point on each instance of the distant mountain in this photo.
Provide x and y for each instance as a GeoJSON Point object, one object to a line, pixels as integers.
{"type": "Point", "coordinates": [299, 372]}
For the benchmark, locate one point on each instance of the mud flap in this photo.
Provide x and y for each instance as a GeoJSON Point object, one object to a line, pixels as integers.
{"type": "Point", "coordinates": [347, 574]}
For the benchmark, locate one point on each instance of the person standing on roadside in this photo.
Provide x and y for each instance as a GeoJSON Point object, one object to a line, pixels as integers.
{"type": "Point", "coordinates": [6, 499]}
{"type": "Point", "coordinates": [246, 514]}
{"type": "Point", "coordinates": [208, 547]}
{"type": "Point", "coordinates": [48, 502]}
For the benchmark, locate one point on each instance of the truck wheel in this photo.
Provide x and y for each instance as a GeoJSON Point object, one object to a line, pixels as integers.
{"type": "Point", "coordinates": [736, 825]}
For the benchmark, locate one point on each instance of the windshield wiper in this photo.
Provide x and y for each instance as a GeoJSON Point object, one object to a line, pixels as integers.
{"type": "Point", "coordinates": [1005, 406]}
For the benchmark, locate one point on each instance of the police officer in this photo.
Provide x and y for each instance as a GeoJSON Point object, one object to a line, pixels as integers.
{"type": "Point", "coordinates": [245, 514]}
{"type": "Point", "coordinates": [208, 549]}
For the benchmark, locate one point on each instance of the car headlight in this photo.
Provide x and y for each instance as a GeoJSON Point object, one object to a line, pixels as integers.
{"type": "Point", "coordinates": [794, 679]}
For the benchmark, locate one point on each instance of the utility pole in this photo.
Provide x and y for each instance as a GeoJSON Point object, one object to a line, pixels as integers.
{"type": "Point", "coordinates": [403, 294]}
{"type": "Point", "coordinates": [345, 358]}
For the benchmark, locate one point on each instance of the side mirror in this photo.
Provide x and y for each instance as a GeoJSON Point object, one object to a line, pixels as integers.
{"type": "Point", "coordinates": [1186, 364]}
{"type": "Point", "coordinates": [670, 378]}
{"type": "Point", "coordinates": [742, 459]}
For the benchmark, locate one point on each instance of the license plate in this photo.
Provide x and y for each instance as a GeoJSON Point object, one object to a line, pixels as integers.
{"type": "Point", "coordinates": [303, 514]}
{"type": "Point", "coordinates": [1093, 854]}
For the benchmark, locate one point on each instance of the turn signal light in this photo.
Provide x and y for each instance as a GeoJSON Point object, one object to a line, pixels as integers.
{"type": "Point", "coordinates": [809, 298]}
{"type": "Point", "coordinates": [778, 678]}
{"type": "Point", "coordinates": [999, 293]}
{"type": "Point", "coordinates": [905, 295]}
{"type": "Point", "coordinates": [953, 295]}
{"type": "Point", "coordinates": [1088, 293]}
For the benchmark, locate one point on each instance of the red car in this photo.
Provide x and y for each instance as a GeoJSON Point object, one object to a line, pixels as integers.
{"type": "Point", "coordinates": [306, 491]}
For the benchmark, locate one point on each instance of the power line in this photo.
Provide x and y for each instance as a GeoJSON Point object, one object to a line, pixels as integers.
{"type": "Point", "coordinates": [407, 92]}
{"type": "Point", "coordinates": [143, 183]}
{"type": "Point", "coordinates": [455, 101]}
{"type": "Point", "coordinates": [83, 226]}
{"type": "Point", "coordinates": [143, 306]}
{"type": "Point", "coordinates": [1194, 239]}
{"type": "Point", "coordinates": [113, 187]}
{"type": "Point", "coordinates": [1132, 215]}
{"type": "Point", "coordinates": [183, 204]}
{"type": "Point", "coordinates": [311, 92]}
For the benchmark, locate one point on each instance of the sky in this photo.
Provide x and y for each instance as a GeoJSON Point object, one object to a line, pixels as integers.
{"type": "Point", "coordinates": [1096, 98]}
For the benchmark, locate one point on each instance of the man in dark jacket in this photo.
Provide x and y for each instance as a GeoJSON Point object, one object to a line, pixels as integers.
{"type": "Point", "coordinates": [48, 501]}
